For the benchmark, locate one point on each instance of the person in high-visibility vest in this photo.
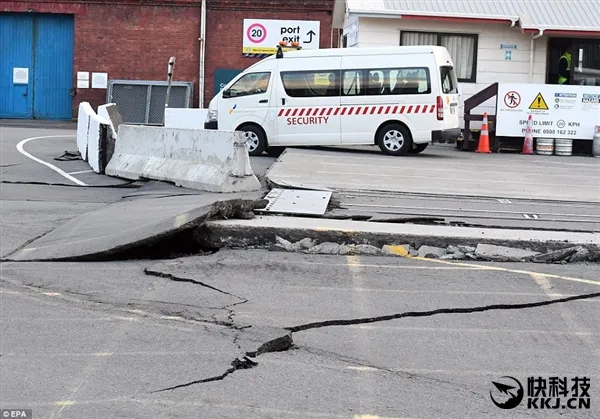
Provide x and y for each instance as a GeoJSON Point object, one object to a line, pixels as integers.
{"type": "Point", "coordinates": [564, 68]}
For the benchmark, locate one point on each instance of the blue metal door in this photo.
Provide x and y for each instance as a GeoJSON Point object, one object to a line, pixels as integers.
{"type": "Point", "coordinates": [16, 65]}
{"type": "Point", "coordinates": [53, 58]}
{"type": "Point", "coordinates": [36, 65]}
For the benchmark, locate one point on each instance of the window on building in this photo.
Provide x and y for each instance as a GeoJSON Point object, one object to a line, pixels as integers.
{"type": "Point", "coordinates": [462, 49]}
{"type": "Point", "coordinates": [249, 84]}
{"type": "Point", "coordinates": [387, 81]}
{"type": "Point", "coordinates": [311, 83]}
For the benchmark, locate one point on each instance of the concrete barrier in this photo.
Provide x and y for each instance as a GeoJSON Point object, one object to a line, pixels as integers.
{"type": "Point", "coordinates": [111, 113]}
{"type": "Point", "coordinates": [185, 118]}
{"type": "Point", "coordinates": [92, 134]}
{"type": "Point", "coordinates": [209, 160]}
{"type": "Point", "coordinates": [83, 124]}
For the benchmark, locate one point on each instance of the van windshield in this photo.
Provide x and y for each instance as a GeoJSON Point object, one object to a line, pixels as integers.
{"type": "Point", "coordinates": [449, 81]}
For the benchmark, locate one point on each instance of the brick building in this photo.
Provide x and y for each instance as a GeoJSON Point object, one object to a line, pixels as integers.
{"type": "Point", "coordinates": [127, 40]}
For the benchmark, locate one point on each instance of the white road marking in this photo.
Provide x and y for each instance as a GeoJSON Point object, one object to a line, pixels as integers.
{"type": "Point", "coordinates": [45, 163]}
{"type": "Point", "coordinates": [80, 172]}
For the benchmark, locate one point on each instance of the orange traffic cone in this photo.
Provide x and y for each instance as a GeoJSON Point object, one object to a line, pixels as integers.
{"type": "Point", "coordinates": [484, 138]}
{"type": "Point", "coordinates": [528, 143]}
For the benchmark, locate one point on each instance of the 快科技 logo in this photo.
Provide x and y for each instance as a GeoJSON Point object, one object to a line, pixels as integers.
{"type": "Point", "coordinates": [508, 391]}
{"type": "Point", "coordinates": [542, 393]}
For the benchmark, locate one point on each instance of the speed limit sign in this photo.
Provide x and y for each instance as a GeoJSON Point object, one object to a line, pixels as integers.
{"type": "Point", "coordinates": [256, 33]}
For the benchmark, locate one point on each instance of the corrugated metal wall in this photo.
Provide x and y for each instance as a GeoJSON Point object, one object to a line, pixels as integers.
{"type": "Point", "coordinates": [42, 44]}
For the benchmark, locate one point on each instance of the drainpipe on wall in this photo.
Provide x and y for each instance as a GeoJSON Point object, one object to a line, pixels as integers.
{"type": "Point", "coordinates": [532, 53]}
{"type": "Point", "coordinates": [201, 79]}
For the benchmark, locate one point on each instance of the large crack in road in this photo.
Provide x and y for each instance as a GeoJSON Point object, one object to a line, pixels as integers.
{"type": "Point", "coordinates": [285, 342]}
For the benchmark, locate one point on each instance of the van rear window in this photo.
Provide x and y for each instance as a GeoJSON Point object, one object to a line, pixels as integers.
{"type": "Point", "coordinates": [449, 82]}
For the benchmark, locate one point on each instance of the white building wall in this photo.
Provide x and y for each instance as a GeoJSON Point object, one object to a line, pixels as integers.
{"type": "Point", "coordinates": [491, 65]}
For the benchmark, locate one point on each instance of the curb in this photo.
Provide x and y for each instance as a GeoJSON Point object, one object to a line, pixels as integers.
{"type": "Point", "coordinates": [351, 237]}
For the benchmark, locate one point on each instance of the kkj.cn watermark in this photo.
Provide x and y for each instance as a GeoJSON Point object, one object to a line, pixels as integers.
{"type": "Point", "coordinates": [543, 393]}
{"type": "Point", "coordinates": [16, 413]}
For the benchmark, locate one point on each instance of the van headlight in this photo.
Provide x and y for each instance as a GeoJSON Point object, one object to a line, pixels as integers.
{"type": "Point", "coordinates": [212, 116]}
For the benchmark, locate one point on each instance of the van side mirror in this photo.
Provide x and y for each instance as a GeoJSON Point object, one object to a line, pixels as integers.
{"type": "Point", "coordinates": [226, 93]}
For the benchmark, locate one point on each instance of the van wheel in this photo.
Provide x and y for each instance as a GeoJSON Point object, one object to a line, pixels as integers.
{"type": "Point", "coordinates": [418, 148]}
{"type": "Point", "coordinates": [394, 140]}
{"type": "Point", "coordinates": [255, 138]}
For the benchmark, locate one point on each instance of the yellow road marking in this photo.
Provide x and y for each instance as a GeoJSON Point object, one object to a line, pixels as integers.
{"type": "Point", "coordinates": [499, 269]}
{"type": "Point", "coordinates": [65, 403]}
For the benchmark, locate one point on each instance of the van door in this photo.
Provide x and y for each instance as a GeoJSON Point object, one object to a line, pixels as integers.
{"type": "Point", "coordinates": [246, 100]}
{"type": "Point", "coordinates": [450, 97]}
{"type": "Point", "coordinates": [308, 102]}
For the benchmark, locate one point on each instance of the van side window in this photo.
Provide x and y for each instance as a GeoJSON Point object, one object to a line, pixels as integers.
{"type": "Point", "coordinates": [352, 83]}
{"type": "Point", "coordinates": [249, 84]}
{"type": "Point", "coordinates": [409, 81]}
{"type": "Point", "coordinates": [311, 83]}
{"type": "Point", "coordinates": [449, 85]}
{"type": "Point", "coordinates": [387, 81]}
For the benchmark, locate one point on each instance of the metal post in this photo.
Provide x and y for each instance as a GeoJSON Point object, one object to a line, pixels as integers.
{"type": "Point", "coordinates": [169, 77]}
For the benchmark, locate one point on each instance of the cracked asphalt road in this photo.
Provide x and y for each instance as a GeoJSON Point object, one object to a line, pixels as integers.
{"type": "Point", "coordinates": [170, 339]}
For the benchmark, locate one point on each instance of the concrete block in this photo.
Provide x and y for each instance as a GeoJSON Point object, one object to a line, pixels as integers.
{"type": "Point", "coordinates": [83, 124]}
{"type": "Point", "coordinates": [91, 137]}
{"type": "Point", "coordinates": [111, 113]}
{"type": "Point", "coordinates": [96, 143]}
{"type": "Point", "coordinates": [185, 118]}
{"type": "Point", "coordinates": [503, 253]}
{"type": "Point", "coordinates": [431, 252]}
{"type": "Point", "coordinates": [209, 160]}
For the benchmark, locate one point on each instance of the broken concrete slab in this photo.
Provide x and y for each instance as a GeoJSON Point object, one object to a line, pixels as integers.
{"type": "Point", "coordinates": [555, 256]}
{"type": "Point", "coordinates": [261, 232]}
{"type": "Point", "coordinates": [123, 226]}
{"type": "Point", "coordinates": [503, 253]}
{"type": "Point", "coordinates": [431, 252]}
{"type": "Point", "coordinates": [510, 176]}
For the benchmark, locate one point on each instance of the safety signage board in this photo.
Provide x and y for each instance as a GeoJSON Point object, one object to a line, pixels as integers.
{"type": "Point", "coordinates": [261, 36]}
{"type": "Point", "coordinates": [558, 111]}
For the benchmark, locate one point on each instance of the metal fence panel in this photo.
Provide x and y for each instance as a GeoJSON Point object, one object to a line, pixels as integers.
{"type": "Point", "coordinates": [143, 101]}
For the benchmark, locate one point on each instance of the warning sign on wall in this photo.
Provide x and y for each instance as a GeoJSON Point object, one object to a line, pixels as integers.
{"type": "Point", "coordinates": [539, 103]}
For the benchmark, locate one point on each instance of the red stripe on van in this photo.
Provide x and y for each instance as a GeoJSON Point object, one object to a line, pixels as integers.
{"type": "Point", "coordinates": [432, 109]}
{"type": "Point", "coordinates": [323, 111]}
{"type": "Point", "coordinates": [387, 110]}
{"type": "Point", "coordinates": [329, 111]}
{"type": "Point", "coordinates": [281, 111]}
{"type": "Point", "coordinates": [366, 110]}
{"type": "Point", "coordinates": [295, 112]}
{"type": "Point", "coordinates": [288, 112]}
{"type": "Point", "coordinates": [373, 109]}
{"type": "Point", "coordinates": [381, 108]}
{"type": "Point", "coordinates": [418, 109]}
{"type": "Point", "coordinates": [301, 112]}
{"type": "Point", "coordinates": [410, 108]}
{"type": "Point", "coordinates": [395, 109]}
{"type": "Point", "coordinates": [337, 110]}
{"type": "Point", "coordinates": [425, 108]}
{"type": "Point", "coordinates": [344, 111]}
{"type": "Point", "coordinates": [402, 109]}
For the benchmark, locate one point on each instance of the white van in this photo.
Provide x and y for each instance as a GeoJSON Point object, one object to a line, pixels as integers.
{"type": "Point", "coordinates": [399, 98]}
